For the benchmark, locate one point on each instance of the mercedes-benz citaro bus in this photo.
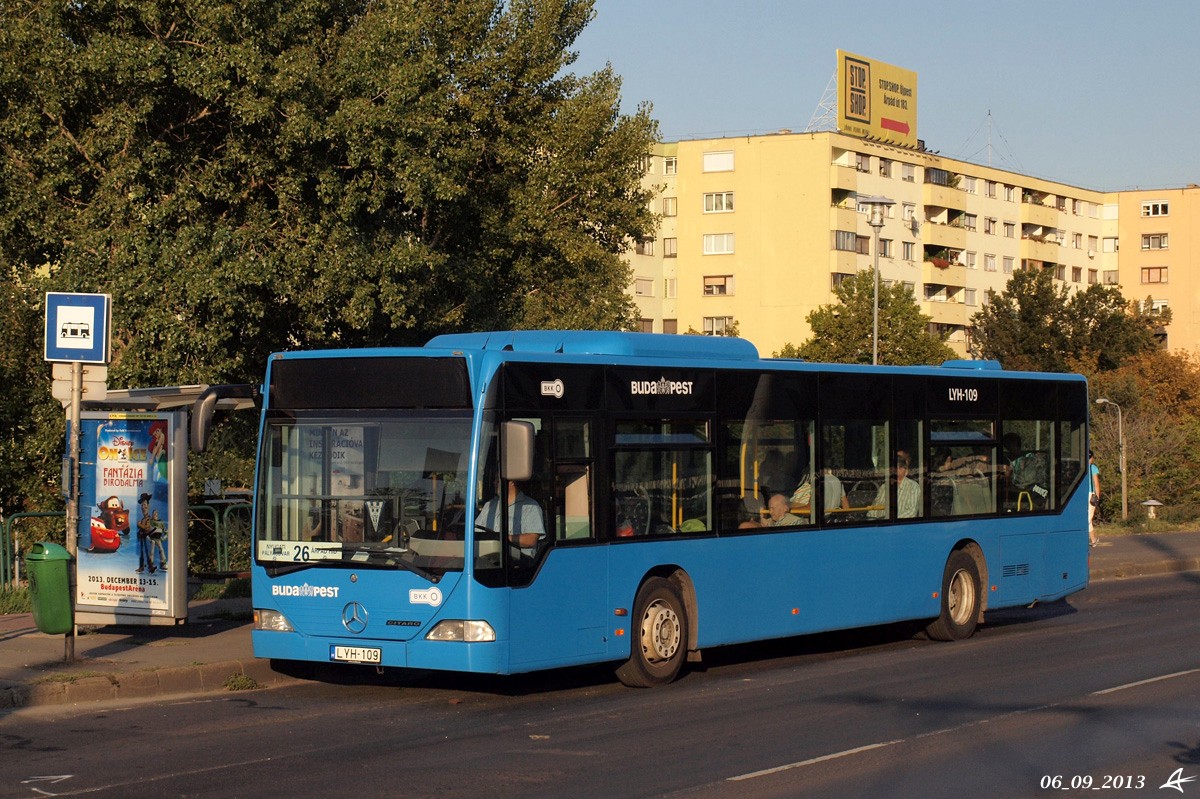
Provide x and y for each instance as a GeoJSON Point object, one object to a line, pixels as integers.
{"type": "Point", "coordinates": [507, 502]}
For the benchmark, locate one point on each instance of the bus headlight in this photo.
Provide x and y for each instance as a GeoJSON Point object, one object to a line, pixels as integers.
{"type": "Point", "coordinates": [461, 630]}
{"type": "Point", "coordinates": [266, 619]}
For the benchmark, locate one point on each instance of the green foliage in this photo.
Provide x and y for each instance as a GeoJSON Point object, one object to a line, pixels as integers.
{"type": "Point", "coordinates": [15, 600]}
{"type": "Point", "coordinates": [249, 177]}
{"type": "Point", "coordinates": [1159, 396]}
{"type": "Point", "coordinates": [842, 332]}
{"type": "Point", "coordinates": [1037, 326]}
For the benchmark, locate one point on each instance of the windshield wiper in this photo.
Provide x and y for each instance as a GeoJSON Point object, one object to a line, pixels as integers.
{"type": "Point", "coordinates": [383, 558]}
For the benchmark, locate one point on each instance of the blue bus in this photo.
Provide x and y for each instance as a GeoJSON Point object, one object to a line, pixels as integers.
{"type": "Point", "coordinates": [514, 501]}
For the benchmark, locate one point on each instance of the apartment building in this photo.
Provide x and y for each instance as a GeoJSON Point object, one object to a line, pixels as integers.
{"type": "Point", "coordinates": [757, 231]}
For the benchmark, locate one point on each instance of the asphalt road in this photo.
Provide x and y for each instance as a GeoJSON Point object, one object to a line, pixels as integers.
{"type": "Point", "coordinates": [1099, 692]}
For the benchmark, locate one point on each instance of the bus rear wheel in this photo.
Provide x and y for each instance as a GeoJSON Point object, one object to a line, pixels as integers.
{"type": "Point", "coordinates": [960, 600]}
{"type": "Point", "coordinates": [660, 637]}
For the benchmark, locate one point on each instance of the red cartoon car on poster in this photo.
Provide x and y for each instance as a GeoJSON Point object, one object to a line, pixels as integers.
{"type": "Point", "coordinates": [104, 539]}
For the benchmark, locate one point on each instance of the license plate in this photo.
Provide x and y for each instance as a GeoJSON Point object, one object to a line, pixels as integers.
{"type": "Point", "coordinates": [355, 654]}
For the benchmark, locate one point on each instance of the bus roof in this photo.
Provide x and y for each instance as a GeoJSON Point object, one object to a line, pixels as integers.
{"type": "Point", "coordinates": [602, 342]}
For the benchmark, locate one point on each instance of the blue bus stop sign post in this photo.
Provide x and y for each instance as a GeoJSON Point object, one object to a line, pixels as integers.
{"type": "Point", "coordinates": [77, 332]}
{"type": "Point", "coordinates": [77, 327]}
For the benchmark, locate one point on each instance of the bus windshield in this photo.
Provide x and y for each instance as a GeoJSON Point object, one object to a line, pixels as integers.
{"type": "Point", "coordinates": [385, 489]}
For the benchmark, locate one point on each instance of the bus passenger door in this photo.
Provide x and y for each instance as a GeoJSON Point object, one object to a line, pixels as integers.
{"type": "Point", "coordinates": [558, 612]}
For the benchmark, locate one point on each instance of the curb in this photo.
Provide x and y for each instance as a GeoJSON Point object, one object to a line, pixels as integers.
{"type": "Point", "coordinates": [1124, 570]}
{"type": "Point", "coordinates": [148, 684]}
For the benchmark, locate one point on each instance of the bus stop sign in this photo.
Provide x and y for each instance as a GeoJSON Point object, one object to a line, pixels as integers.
{"type": "Point", "coordinates": [77, 327]}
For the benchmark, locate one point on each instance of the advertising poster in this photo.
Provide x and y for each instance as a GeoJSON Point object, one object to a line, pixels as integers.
{"type": "Point", "coordinates": [127, 514]}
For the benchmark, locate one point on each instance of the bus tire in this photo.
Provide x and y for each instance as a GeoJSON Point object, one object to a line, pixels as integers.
{"type": "Point", "coordinates": [659, 633]}
{"type": "Point", "coordinates": [960, 600]}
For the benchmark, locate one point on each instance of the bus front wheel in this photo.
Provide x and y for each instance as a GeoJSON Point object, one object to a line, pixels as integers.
{"type": "Point", "coordinates": [660, 637]}
{"type": "Point", "coordinates": [960, 600]}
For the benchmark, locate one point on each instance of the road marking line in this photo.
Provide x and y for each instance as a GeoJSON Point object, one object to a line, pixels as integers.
{"type": "Point", "coordinates": [1144, 682]}
{"type": "Point", "coordinates": [814, 760]}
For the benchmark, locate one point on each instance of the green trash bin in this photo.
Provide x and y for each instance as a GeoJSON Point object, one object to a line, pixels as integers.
{"type": "Point", "coordinates": [50, 587]}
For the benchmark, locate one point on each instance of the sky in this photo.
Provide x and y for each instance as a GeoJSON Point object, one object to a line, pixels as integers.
{"type": "Point", "coordinates": [1098, 94]}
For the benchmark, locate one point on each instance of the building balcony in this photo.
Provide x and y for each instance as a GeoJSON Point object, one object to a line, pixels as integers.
{"type": "Point", "coordinates": [1034, 213]}
{"type": "Point", "coordinates": [947, 313]}
{"type": "Point", "coordinates": [843, 217]}
{"type": "Point", "coordinates": [951, 236]}
{"type": "Point", "coordinates": [943, 196]}
{"type": "Point", "coordinates": [953, 275]}
{"type": "Point", "coordinates": [843, 262]}
{"type": "Point", "coordinates": [843, 177]}
{"type": "Point", "coordinates": [1039, 250]}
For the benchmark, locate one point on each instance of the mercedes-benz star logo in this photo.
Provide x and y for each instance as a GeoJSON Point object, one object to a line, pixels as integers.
{"type": "Point", "coordinates": [354, 618]}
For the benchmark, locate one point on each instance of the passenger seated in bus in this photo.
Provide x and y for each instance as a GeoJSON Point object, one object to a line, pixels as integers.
{"type": "Point", "coordinates": [835, 494]}
{"type": "Point", "coordinates": [908, 492]}
{"type": "Point", "coordinates": [526, 524]}
{"type": "Point", "coordinates": [781, 515]}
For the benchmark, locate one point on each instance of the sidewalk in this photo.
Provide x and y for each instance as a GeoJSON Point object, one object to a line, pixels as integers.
{"type": "Point", "coordinates": [212, 652]}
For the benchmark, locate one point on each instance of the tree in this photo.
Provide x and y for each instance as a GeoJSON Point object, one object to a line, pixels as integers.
{"type": "Point", "coordinates": [278, 174]}
{"type": "Point", "coordinates": [1035, 325]}
{"type": "Point", "coordinates": [842, 331]}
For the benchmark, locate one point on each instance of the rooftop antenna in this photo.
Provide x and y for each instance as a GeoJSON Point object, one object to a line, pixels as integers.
{"type": "Point", "coordinates": [825, 116]}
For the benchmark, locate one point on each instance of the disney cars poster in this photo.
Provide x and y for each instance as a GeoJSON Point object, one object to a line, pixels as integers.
{"type": "Point", "coordinates": [132, 554]}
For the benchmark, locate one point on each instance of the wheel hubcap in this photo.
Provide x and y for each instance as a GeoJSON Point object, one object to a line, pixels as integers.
{"type": "Point", "coordinates": [660, 633]}
{"type": "Point", "coordinates": [960, 598]}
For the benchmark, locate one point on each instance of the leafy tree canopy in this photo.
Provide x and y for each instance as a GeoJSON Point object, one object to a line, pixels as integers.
{"type": "Point", "coordinates": [1035, 325]}
{"type": "Point", "coordinates": [245, 177]}
{"type": "Point", "coordinates": [842, 331]}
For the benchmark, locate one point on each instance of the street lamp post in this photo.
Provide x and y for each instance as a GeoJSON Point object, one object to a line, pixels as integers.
{"type": "Point", "coordinates": [1121, 443]}
{"type": "Point", "coordinates": [875, 220]}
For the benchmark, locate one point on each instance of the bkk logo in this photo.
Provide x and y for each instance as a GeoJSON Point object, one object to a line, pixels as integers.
{"type": "Point", "coordinates": [553, 388]}
{"type": "Point", "coordinates": [427, 596]}
{"type": "Point", "coordinates": [661, 386]}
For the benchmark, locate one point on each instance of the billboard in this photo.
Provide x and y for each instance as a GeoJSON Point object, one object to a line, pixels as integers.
{"type": "Point", "coordinates": [876, 100]}
{"type": "Point", "coordinates": [132, 558]}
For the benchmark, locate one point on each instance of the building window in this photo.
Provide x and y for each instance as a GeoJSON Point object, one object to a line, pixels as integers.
{"type": "Point", "coordinates": [1158, 306]}
{"type": "Point", "coordinates": [718, 285]}
{"type": "Point", "coordinates": [718, 202]}
{"type": "Point", "coordinates": [1154, 274]}
{"type": "Point", "coordinates": [910, 212]}
{"type": "Point", "coordinates": [970, 221]}
{"type": "Point", "coordinates": [968, 259]}
{"type": "Point", "coordinates": [670, 325]}
{"type": "Point", "coordinates": [643, 287]}
{"type": "Point", "coordinates": [1093, 242]}
{"type": "Point", "coordinates": [1077, 241]}
{"type": "Point", "coordinates": [885, 248]}
{"type": "Point", "coordinates": [845, 240]}
{"type": "Point", "coordinates": [969, 296]}
{"type": "Point", "coordinates": [1110, 244]}
{"type": "Point", "coordinates": [885, 168]}
{"type": "Point", "coordinates": [1110, 277]}
{"type": "Point", "coordinates": [718, 243]}
{"type": "Point", "coordinates": [670, 206]}
{"type": "Point", "coordinates": [644, 164]}
{"type": "Point", "coordinates": [669, 287]}
{"type": "Point", "coordinates": [862, 245]}
{"type": "Point", "coordinates": [908, 173]}
{"type": "Point", "coordinates": [1010, 230]}
{"type": "Point", "coordinates": [989, 262]}
{"type": "Point", "coordinates": [721, 161]}
{"type": "Point", "coordinates": [909, 250]}
{"type": "Point", "coordinates": [717, 325]}
{"type": "Point", "coordinates": [645, 247]}
{"type": "Point", "coordinates": [1076, 274]}
{"type": "Point", "coordinates": [1010, 194]}
{"type": "Point", "coordinates": [1060, 272]}
{"type": "Point", "coordinates": [1154, 241]}
{"type": "Point", "coordinates": [862, 162]}
{"type": "Point", "coordinates": [910, 287]}
{"type": "Point", "coordinates": [968, 185]}
{"type": "Point", "coordinates": [670, 248]}
{"type": "Point", "coordinates": [1155, 209]}
{"type": "Point", "coordinates": [990, 189]}
{"type": "Point", "coordinates": [1092, 277]}
{"type": "Point", "coordinates": [938, 177]}
{"type": "Point", "coordinates": [1008, 265]}
{"type": "Point", "coordinates": [989, 226]}
{"type": "Point", "coordinates": [670, 165]}
{"type": "Point", "coordinates": [837, 278]}
{"type": "Point", "coordinates": [646, 326]}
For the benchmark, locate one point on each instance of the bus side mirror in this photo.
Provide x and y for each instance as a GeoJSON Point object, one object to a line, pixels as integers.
{"type": "Point", "coordinates": [243, 395]}
{"type": "Point", "coordinates": [517, 453]}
